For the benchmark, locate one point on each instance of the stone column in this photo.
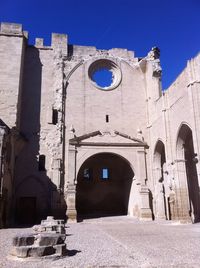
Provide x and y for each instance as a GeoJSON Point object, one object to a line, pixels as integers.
{"type": "Point", "coordinates": [145, 211]}
{"type": "Point", "coordinates": [70, 196]}
{"type": "Point", "coordinates": [71, 203]}
{"type": "Point", "coordinates": [182, 205]}
{"type": "Point", "coordinates": [160, 203]}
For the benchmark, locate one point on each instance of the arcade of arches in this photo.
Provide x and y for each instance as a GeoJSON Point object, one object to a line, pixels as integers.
{"type": "Point", "coordinates": [176, 193]}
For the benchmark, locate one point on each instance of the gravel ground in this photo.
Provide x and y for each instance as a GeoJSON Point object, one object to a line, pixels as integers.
{"type": "Point", "coordinates": [118, 242]}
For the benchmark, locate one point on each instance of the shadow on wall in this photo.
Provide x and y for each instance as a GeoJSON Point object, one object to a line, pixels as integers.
{"type": "Point", "coordinates": [35, 195]}
{"type": "Point", "coordinates": [151, 204]}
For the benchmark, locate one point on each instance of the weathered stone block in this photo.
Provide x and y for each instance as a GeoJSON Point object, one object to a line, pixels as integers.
{"type": "Point", "coordinates": [50, 239]}
{"type": "Point", "coordinates": [41, 251]}
{"type": "Point", "coordinates": [41, 244]}
{"type": "Point", "coordinates": [23, 240]}
{"type": "Point", "coordinates": [60, 249]}
{"type": "Point", "coordinates": [20, 252]}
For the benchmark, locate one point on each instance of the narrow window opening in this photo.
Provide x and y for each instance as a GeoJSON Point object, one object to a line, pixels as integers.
{"type": "Point", "coordinates": [41, 165]}
{"type": "Point", "coordinates": [104, 174]}
{"type": "Point", "coordinates": [107, 118]}
{"type": "Point", "coordinates": [87, 174]}
{"type": "Point", "coordinates": [54, 116]}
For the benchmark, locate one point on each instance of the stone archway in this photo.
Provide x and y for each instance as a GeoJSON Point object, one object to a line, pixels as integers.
{"type": "Point", "coordinates": [188, 187]}
{"type": "Point", "coordinates": [103, 186]}
{"type": "Point", "coordinates": [161, 200]}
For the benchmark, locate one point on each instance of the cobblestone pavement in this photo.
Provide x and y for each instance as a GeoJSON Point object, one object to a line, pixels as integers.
{"type": "Point", "coordinates": [118, 242]}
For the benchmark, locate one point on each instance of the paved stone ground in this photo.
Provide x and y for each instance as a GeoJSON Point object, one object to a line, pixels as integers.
{"type": "Point", "coordinates": [118, 242]}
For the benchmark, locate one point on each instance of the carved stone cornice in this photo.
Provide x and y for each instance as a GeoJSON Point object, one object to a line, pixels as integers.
{"type": "Point", "coordinates": [132, 141]}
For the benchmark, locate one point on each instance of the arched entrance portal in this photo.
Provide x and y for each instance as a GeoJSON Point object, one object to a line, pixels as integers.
{"type": "Point", "coordinates": [103, 186]}
{"type": "Point", "coordinates": [190, 187]}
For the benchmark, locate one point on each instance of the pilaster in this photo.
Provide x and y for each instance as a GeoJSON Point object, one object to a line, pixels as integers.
{"type": "Point", "coordinates": [70, 196]}
{"type": "Point", "coordinates": [145, 211]}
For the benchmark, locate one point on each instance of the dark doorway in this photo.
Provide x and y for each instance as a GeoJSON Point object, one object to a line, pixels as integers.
{"type": "Point", "coordinates": [192, 178]}
{"type": "Point", "coordinates": [103, 188]}
{"type": "Point", "coordinates": [26, 212]}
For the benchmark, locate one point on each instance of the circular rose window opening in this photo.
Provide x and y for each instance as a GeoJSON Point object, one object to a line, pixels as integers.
{"type": "Point", "coordinates": [104, 74]}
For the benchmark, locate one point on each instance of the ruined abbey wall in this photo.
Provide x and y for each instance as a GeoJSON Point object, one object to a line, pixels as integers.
{"type": "Point", "coordinates": [60, 120]}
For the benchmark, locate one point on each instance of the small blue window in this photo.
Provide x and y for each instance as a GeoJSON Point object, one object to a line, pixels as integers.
{"type": "Point", "coordinates": [105, 174]}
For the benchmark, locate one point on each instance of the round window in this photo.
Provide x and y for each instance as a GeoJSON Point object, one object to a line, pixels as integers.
{"type": "Point", "coordinates": [104, 74]}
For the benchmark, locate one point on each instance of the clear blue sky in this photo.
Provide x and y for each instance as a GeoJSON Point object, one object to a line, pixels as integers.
{"type": "Point", "coordinates": [172, 25]}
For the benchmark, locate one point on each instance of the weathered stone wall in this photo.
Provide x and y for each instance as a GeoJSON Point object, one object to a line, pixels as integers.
{"type": "Point", "coordinates": [12, 45]}
{"type": "Point", "coordinates": [6, 175]}
{"type": "Point", "coordinates": [88, 106]}
{"type": "Point", "coordinates": [42, 92]}
{"type": "Point", "coordinates": [178, 106]}
{"type": "Point", "coordinates": [63, 117]}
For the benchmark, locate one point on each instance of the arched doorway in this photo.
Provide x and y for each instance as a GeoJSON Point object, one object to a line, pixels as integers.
{"type": "Point", "coordinates": [188, 178]}
{"type": "Point", "coordinates": [103, 186]}
{"type": "Point", "coordinates": [161, 200]}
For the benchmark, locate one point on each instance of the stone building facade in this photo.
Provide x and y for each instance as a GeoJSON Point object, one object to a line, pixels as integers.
{"type": "Point", "coordinates": [72, 147]}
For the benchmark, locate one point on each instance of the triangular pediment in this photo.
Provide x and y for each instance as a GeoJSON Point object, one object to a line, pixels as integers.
{"type": "Point", "coordinates": [107, 138]}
